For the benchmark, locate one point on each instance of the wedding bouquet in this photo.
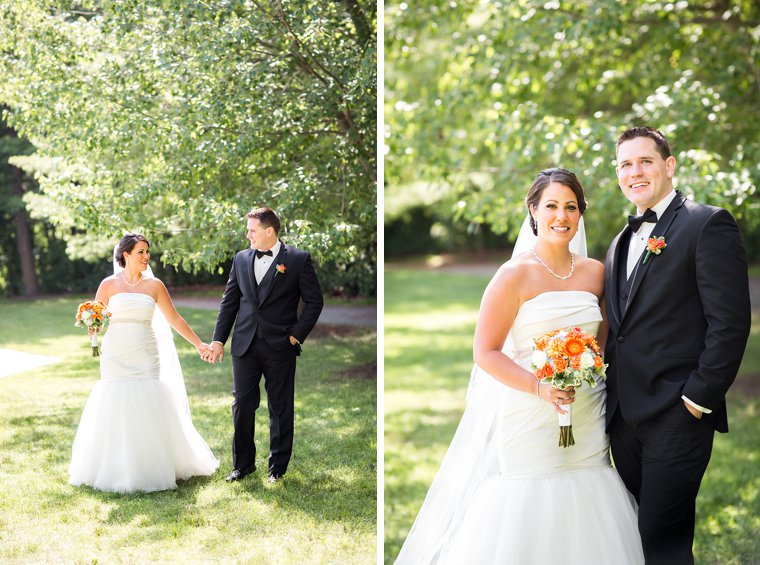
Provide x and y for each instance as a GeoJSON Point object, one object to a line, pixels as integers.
{"type": "Point", "coordinates": [565, 358]}
{"type": "Point", "coordinates": [93, 315]}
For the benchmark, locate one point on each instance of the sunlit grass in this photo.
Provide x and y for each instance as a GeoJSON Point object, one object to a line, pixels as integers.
{"type": "Point", "coordinates": [429, 323]}
{"type": "Point", "coordinates": [323, 512]}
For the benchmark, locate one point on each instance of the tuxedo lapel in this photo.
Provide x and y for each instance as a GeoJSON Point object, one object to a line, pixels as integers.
{"type": "Point", "coordinates": [613, 288]}
{"type": "Point", "coordinates": [660, 229]}
{"type": "Point", "coordinates": [250, 277]}
{"type": "Point", "coordinates": [270, 278]}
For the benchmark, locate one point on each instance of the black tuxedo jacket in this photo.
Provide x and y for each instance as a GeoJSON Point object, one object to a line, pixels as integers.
{"type": "Point", "coordinates": [270, 309]}
{"type": "Point", "coordinates": [686, 322]}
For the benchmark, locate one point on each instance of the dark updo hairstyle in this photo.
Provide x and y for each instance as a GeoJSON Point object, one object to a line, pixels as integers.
{"type": "Point", "coordinates": [126, 245]}
{"type": "Point", "coordinates": [267, 217]}
{"type": "Point", "coordinates": [544, 179]}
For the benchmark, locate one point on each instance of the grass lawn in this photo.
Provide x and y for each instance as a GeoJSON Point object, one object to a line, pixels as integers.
{"type": "Point", "coordinates": [324, 511]}
{"type": "Point", "coordinates": [429, 323]}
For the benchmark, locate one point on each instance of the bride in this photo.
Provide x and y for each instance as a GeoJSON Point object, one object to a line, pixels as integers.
{"type": "Point", "coordinates": [136, 433]}
{"type": "Point", "coordinates": [505, 492]}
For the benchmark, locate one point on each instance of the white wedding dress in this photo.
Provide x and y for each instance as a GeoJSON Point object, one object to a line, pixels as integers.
{"type": "Point", "coordinates": [136, 433]}
{"type": "Point", "coordinates": [506, 493]}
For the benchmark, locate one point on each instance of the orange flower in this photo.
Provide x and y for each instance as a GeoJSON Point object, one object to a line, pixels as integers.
{"type": "Point", "coordinates": [655, 245]}
{"type": "Point", "coordinates": [574, 346]}
{"type": "Point", "coordinates": [598, 362]}
{"type": "Point", "coordinates": [560, 364]}
{"type": "Point", "coordinates": [548, 370]}
{"type": "Point", "coordinates": [541, 341]}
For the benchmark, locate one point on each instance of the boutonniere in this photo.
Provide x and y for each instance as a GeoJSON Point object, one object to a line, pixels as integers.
{"type": "Point", "coordinates": [655, 245]}
{"type": "Point", "coordinates": [279, 269]}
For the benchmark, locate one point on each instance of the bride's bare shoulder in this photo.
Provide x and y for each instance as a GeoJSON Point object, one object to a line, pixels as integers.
{"type": "Point", "coordinates": [512, 275]}
{"type": "Point", "coordinates": [106, 289]}
{"type": "Point", "coordinates": [109, 283]}
{"type": "Point", "coordinates": [515, 267]}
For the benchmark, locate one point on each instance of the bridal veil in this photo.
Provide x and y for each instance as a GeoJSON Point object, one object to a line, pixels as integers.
{"type": "Point", "coordinates": [471, 457]}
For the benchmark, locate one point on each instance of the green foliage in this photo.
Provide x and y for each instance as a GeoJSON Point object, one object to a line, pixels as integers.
{"type": "Point", "coordinates": [175, 118]}
{"type": "Point", "coordinates": [323, 512]}
{"type": "Point", "coordinates": [484, 95]}
{"type": "Point", "coordinates": [429, 323]}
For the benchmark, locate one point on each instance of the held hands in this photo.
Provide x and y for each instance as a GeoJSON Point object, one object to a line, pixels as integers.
{"type": "Point", "coordinates": [557, 396]}
{"type": "Point", "coordinates": [202, 349]}
{"type": "Point", "coordinates": [212, 353]}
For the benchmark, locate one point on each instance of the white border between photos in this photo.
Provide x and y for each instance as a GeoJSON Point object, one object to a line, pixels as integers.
{"type": "Point", "coordinates": [380, 287]}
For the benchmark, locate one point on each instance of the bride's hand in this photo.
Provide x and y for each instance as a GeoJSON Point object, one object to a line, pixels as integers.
{"type": "Point", "coordinates": [557, 396]}
{"type": "Point", "coordinates": [203, 349]}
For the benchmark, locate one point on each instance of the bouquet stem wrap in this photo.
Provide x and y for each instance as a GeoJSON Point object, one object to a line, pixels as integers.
{"type": "Point", "coordinates": [94, 343]}
{"type": "Point", "coordinates": [566, 438]}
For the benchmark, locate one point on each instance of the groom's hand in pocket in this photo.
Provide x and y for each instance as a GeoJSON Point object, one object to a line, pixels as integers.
{"type": "Point", "coordinates": [694, 412]}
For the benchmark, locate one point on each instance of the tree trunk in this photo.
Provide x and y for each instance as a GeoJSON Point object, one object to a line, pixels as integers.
{"type": "Point", "coordinates": [363, 30]}
{"type": "Point", "coordinates": [24, 239]}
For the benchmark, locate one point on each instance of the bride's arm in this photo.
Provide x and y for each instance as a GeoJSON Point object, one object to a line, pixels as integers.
{"type": "Point", "coordinates": [498, 309]}
{"type": "Point", "coordinates": [175, 319]}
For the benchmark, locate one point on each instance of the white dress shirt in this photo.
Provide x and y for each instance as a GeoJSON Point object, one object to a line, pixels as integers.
{"type": "Point", "coordinates": [261, 264]}
{"type": "Point", "coordinates": [639, 238]}
{"type": "Point", "coordinates": [636, 248]}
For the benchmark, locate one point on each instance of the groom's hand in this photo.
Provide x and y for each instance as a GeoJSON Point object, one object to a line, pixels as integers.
{"type": "Point", "coordinates": [694, 412]}
{"type": "Point", "coordinates": [216, 352]}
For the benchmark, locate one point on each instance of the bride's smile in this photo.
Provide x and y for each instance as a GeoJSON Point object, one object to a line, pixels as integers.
{"type": "Point", "coordinates": [557, 213]}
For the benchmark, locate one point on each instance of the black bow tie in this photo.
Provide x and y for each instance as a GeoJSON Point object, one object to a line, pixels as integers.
{"type": "Point", "coordinates": [636, 221]}
{"type": "Point", "coordinates": [260, 254]}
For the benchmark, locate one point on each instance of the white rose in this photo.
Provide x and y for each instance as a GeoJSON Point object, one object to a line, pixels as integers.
{"type": "Point", "coordinates": [86, 315]}
{"type": "Point", "coordinates": [539, 358]}
{"type": "Point", "coordinates": [587, 360]}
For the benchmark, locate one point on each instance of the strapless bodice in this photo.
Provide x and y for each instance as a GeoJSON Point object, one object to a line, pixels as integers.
{"type": "Point", "coordinates": [130, 350]}
{"type": "Point", "coordinates": [550, 311]}
{"type": "Point", "coordinates": [134, 307]}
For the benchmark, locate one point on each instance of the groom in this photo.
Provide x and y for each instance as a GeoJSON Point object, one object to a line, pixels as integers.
{"type": "Point", "coordinates": [679, 321]}
{"type": "Point", "coordinates": [262, 297]}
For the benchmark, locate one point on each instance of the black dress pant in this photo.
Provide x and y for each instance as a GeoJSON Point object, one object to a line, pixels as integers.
{"type": "Point", "coordinates": [278, 368]}
{"type": "Point", "coordinates": [662, 462]}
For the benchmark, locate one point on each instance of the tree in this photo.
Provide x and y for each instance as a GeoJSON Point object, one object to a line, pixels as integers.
{"type": "Point", "coordinates": [481, 96]}
{"type": "Point", "coordinates": [18, 239]}
{"type": "Point", "coordinates": [176, 117]}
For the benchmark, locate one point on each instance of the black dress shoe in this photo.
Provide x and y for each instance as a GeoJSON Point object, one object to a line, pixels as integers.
{"type": "Point", "coordinates": [238, 474]}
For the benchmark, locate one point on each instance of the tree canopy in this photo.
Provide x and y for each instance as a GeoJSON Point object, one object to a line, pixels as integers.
{"type": "Point", "coordinates": [482, 95]}
{"type": "Point", "coordinates": [175, 118]}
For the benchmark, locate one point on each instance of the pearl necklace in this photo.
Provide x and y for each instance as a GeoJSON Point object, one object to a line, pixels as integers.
{"type": "Point", "coordinates": [139, 280]}
{"type": "Point", "coordinates": [548, 268]}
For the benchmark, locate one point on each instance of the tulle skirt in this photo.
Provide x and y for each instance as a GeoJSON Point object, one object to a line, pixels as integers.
{"type": "Point", "coordinates": [580, 517]}
{"type": "Point", "coordinates": [132, 437]}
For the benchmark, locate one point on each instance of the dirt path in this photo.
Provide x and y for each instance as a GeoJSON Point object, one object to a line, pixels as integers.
{"type": "Point", "coordinates": [332, 314]}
